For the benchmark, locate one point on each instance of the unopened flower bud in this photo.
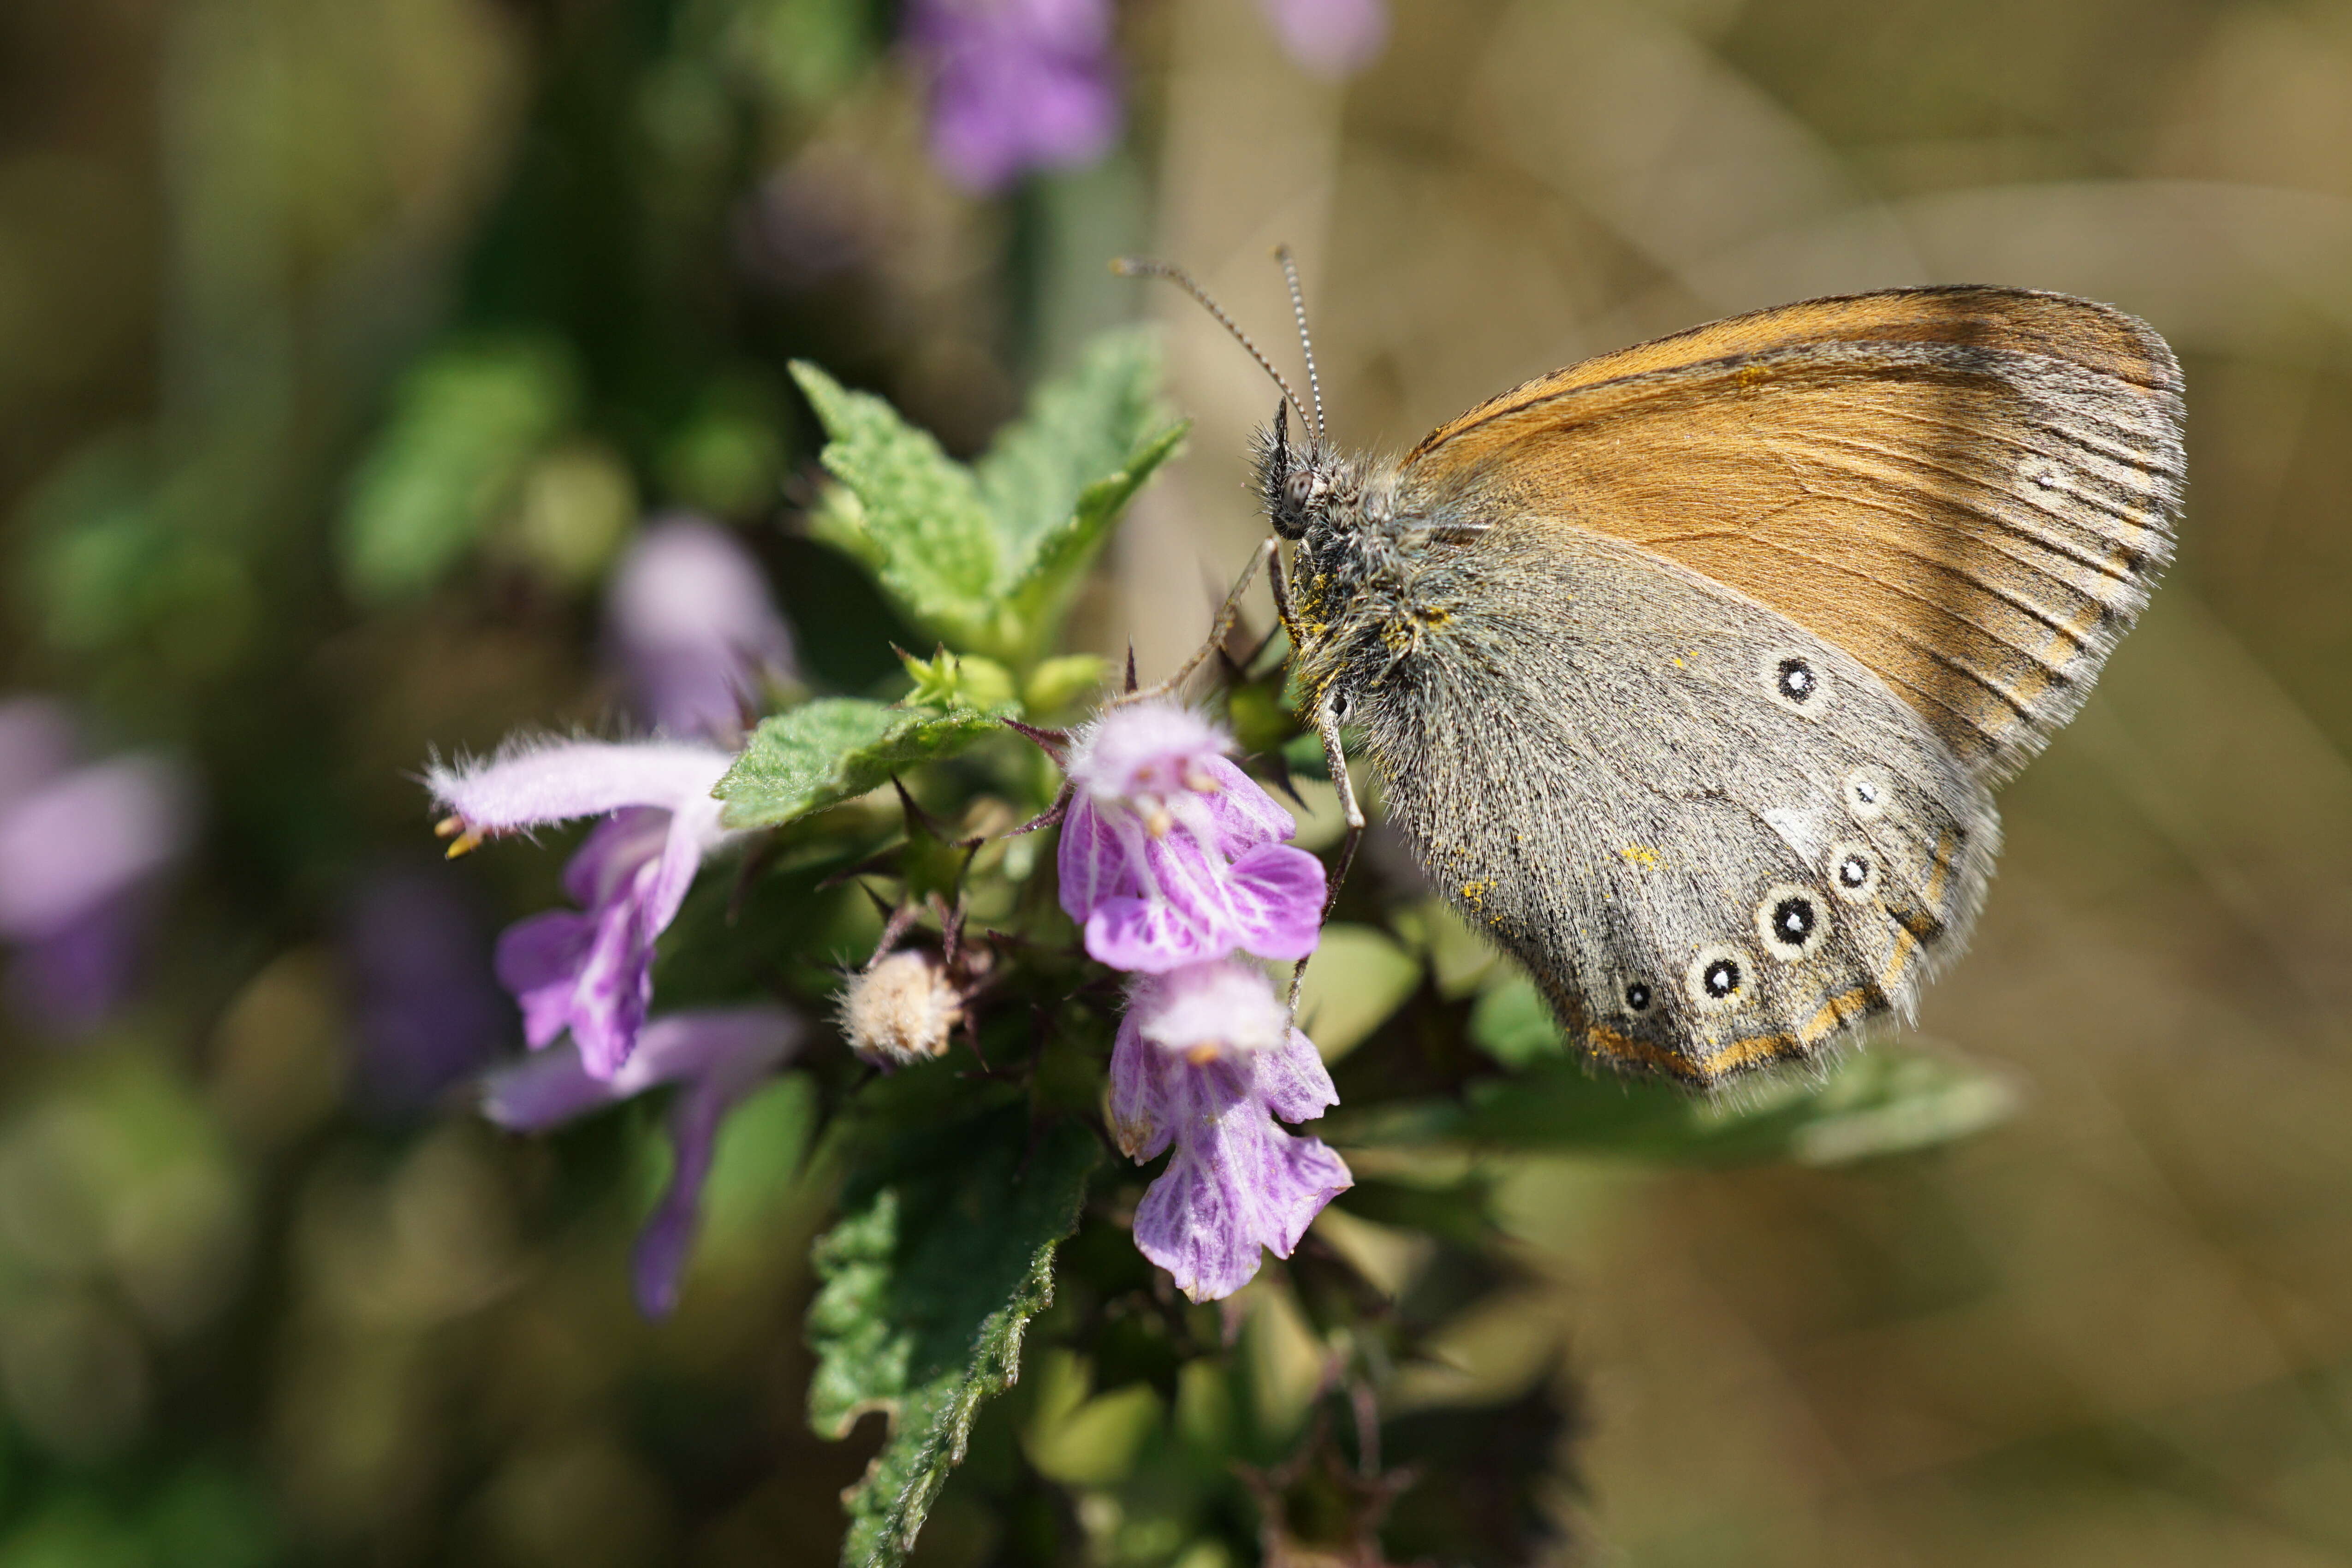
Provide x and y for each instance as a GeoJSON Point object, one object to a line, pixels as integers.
{"type": "Point", "coordinates": [902, 1009]}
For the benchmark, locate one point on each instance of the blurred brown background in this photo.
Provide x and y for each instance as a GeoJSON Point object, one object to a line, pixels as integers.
{"type": "Point", "coordinates": [2118, 1330]}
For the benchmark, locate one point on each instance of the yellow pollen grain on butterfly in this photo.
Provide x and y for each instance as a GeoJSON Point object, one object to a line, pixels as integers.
{"type": "Point", "coordinates": [1475, 893]}
{"type": "Point", "coordinates": [1642, 854]}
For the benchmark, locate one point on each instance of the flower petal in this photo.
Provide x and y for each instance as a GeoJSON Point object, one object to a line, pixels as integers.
{"type": "Point", "coordinates": [1138, 1093]}
{"type": "Point", "coordinates": [1149, 936]}
{"type": "Point", "coordinates": [1274, 895]}
{"type": "Point", "coordinates": [545, 782]}
{"type": "Point", "coordinates": [1293, 1082]}
{"type": "Point", "coordinates": [539, 962]}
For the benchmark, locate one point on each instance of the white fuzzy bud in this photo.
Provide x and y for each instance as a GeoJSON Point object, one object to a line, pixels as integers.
{"type": "Point", "coordinates": [903, 1009]}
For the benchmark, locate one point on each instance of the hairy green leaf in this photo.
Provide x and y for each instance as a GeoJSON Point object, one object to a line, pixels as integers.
{"type": "Point", "coordinates": [943, 1253]}
{"type": "Point", "coordinates": [1058, 557]}
{"type": "Point", "coordinates": [826, 752]}
{"type": "Point", "coordinates": [1078, 430]}
{"type": "Point", "coordinates": [918, 520]}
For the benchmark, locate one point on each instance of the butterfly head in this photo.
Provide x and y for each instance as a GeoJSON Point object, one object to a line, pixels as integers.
{"type": "Point", "coordinates": [1298, 482]}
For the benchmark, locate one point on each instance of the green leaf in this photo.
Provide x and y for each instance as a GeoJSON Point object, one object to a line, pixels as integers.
{"type": "Point", "coordinates": [918, 521]}
{"type": "Point", "coordinates": [1892, 1097]}
{"type": "Point", "coordinates": [1510, 1023]}
{"type": "Point", "coordinates": [825, 753]}
{"type": "Point", "coordinates": [466, 424]}
{"type": "Point", "coordinates": [943, 1253]}
{"type": "Point", "coordinates": [1058, 557]}
{"type": "Point", "coordinates": [1078, 428]}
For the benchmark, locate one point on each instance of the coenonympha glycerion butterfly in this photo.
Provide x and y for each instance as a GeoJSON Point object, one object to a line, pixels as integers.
{"type": "Point", "coordinates": [1690, 667]}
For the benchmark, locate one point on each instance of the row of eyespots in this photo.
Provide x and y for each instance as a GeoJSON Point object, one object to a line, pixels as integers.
{"type": "Point", "coordinates": [1789, 920]}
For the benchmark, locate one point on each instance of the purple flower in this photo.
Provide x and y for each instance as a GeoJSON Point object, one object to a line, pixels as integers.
{"type": "Point", "coordinates": [1331, 37]}
{"type": "Point", "coordinates": [1207, 1059]}
{"type": "Point", "coordinates": [1170, 855]}
{"type": "Point", "coordinates": [1016, 85]}
{"type": "Point", "coordinates": [590, 970]}
{"type": "Point", "coordinates": [695, 627]}
{"type": "Point", "coordinates": [717, 1056]}
{"type": "Point", "coordinates": [80, 848]}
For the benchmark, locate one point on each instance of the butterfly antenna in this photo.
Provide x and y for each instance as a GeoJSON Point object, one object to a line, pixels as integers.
{"type": "Point", "coordinates": [1306, 343]}
{"type": "Point", "coordinates": [1145, 267]}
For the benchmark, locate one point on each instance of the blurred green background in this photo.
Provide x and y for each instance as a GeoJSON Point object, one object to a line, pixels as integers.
{"type": "Point", "coordinates": [344, 343]}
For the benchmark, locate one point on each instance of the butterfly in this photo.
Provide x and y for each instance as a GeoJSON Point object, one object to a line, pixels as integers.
{"type": "Point", "coordinates": [1689, 669]}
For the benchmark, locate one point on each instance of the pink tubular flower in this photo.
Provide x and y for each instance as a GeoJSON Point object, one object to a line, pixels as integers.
{"type": "Point", "coordinates": [717, 1056]}
{"type": "Point", "coordinates": [1206, 1059]}
{"type": "Point", "coordinates": [695, 627]}
{"type": "Point", "coordinates": [590, 970]}
{"type": "Point", "coordinates": [1016, 85]}
{"type": "Point", "coordinates": [1170, 855]}
{"type": "Point", "coordinates": [1331, 37]}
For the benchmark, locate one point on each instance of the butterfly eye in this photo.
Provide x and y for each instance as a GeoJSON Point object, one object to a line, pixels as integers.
{"type": "Point", "coordinates": [1299, 487]}
{"type": "Point", "coordinates": [1854, 871]}
{"type": "Point", "coordinates": [1718, 978]}
{"type": "Point", "coordinates": [1791, 921]}
{"type": "Point", "coordinates": [1637, 997]}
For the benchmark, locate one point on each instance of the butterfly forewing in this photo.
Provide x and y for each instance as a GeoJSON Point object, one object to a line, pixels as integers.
{"type": "Point", "coordinates": [1974, 509]}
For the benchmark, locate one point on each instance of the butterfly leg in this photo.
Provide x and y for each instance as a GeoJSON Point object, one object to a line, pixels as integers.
{"type": "Point", "coordinates": [1326, 726]}
{"type": "Point", "coordinates": [1226, 614]}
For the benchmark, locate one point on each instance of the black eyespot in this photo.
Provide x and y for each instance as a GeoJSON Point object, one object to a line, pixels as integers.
{"type": "Point", "coordinates": [1854, 871]}
{"type": "Point", "coordinates": [1794, 680]}
{"type": "Point", "coordinates": [1789, 921]}
{"type": "Point", "coordinates": [1716, 980]}
{"type": "Point", "coordinates": [1637, 997]}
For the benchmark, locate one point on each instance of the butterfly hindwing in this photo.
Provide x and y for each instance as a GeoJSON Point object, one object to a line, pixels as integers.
{"type": "Point", "coordinates": [1601, 764]}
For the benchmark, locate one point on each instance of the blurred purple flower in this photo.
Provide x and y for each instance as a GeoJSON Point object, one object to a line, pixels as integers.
{"type": "Point", "coordinates": [1331, 37]}
{"type": "Point", "coordinates": [1170, 855]}
{"type": "Point", "coordinates": [695, 627]}
{"type": "Point", "coordinates": [1016, 85]}
{"type": "Point", "coordinates": [80, 849]}
{"type": "Point", "coordinates": [428, 1005]}
{"type": "Point", "coordinates": [717, 1056]}
{"type": "Point", "coordinates": [590, 970]}
{"type": "Point", "coordinates": [1206, 1058]}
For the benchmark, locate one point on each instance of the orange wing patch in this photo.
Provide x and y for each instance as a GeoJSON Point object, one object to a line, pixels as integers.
{"type": "Point", "coordinates": [1973, 502]}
